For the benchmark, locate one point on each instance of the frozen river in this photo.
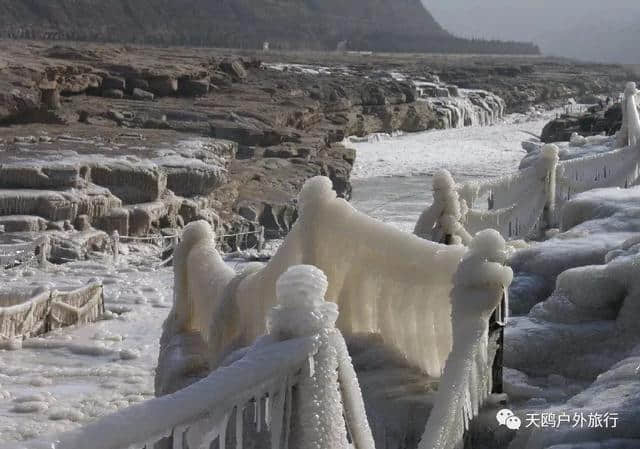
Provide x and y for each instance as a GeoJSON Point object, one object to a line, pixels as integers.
{"type": "Point", "coordinates": [392, 175]}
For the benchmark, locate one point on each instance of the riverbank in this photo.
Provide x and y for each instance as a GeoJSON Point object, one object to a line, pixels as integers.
{"type": "Point", "coordinates": [208, 134]}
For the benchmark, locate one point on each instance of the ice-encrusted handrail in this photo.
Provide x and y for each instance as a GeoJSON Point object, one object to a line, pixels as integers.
{"type": "Point", "coordinates": [524, 203]}
{"type": "Point", "coordinates": [479, 283]}
{"type": "Point", "coordinates": [303, 349]}
{"type": "Point", "coordinates": [329, 401]}
{"type": "Point", "coordinates": [629, 134]}
{"type": "Point", "coordinates": [193, 413]}
{"type": "Point", "coordinates": [441, 221]}
{"type": "Point", "coordinates": [518, 203]}
{"type": "Point", "coordinates": [380, 277]}
{"type": "Point", "coordinates": [46, 310]}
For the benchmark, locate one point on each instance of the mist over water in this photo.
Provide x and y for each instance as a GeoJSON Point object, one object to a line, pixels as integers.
{"type": "Point", "coordinates": [585, 29]}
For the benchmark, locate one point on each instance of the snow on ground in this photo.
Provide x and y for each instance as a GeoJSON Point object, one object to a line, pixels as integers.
{"type": "Point", "coordinates": [472, 151]}
{"type": "Point", "coordinates": [75, 374]}
{"type": "Point", "coordinates": [393, 174]}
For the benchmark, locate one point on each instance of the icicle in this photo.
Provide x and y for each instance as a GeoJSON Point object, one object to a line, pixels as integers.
{"type": "Point", "coordinates": [222, 434]}
{"type": "Point", "coordinates": [277, 414]}
{"type": "Point", "coordinates": [267, 411]}
{"type": "Point", "coordinates": [288, 402]}
{"type": "Point", "coordinates": [258, 415]}
{"type": "Point", "coordinates": [178, 436]}
{"type": "Point", "coordinates": [239, 426]}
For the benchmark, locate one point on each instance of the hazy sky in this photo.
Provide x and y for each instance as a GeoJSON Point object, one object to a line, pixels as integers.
{"type": "Point", "coordinates": [588, 29]}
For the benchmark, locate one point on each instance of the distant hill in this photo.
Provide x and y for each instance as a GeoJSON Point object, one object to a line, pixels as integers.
{"type": "Point", "coordinates": [590, 30]}
{"type": "Point", "coordinates": [378, 25]}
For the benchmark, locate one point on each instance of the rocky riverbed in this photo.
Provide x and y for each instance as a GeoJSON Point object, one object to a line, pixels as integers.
{"type": "Point", "coordinates": [98, 138]}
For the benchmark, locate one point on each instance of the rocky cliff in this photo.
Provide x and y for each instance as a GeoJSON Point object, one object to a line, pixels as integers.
{"type": "Point", "coordinates": [383, 25]}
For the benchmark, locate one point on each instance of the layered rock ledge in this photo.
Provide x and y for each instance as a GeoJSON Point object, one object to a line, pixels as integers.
{"type": "Point", "coordinates": [138, 139]}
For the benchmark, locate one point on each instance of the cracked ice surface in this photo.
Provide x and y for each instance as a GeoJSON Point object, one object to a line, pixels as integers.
{"type": "Point", "coordinates": [74, 375]}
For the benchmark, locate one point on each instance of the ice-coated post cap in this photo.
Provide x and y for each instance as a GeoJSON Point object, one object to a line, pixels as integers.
{"type": "Point", "coordinates": [630, 88]}
{"type": "Point", "coordinates": [315, 189]}
{"type": "Point", "coordinates": [442, 180]}
{"type": "Point", "coordinates": [301, 308]}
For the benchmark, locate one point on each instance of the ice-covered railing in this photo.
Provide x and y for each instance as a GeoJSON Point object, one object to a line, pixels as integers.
{"type": "Point", "coordinates": [517, 203]}
{"type": "Point", "coordinates": [618, 168]}
{"type": "Point", "coordinates": [480, 282]}
{"type": "Point", "coordinates": [159, 240]}
{"type": "Point", "coordinates": [168, 243]}
{"type": "Point", "coordinates": [629, 134]}
{"type": "Point", "coordinates": [385, 281]}
{"type": "Point", "coordinates": [27, 314]}
{"type": "Point", "coordinates": [524, 204]}
{"type": "Point", "coordinates": [298, 380]}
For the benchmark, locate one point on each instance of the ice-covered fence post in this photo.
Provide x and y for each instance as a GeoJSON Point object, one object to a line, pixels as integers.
{"type": "Point", "coordinates": [317, 416]}
{"type": "Point", "coordinates": [44, 248]}
{"type": "Point", "coordinates": [549, 161]}
{"type": "Point", "coordinates": [115, 245]}
{"type": "Point", "coordinates": [629, 133]}
{"type": "Point", "coordinates": [175, 241]}
{"type": "Point", "coordinates": [441, 221]}
{"type": "Point", "coordinates": [466, 380]}
{"type": "Point", "coordinates": [261, 239]}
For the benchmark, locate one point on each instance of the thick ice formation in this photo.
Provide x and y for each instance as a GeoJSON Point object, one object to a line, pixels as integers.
{"type": "Point", "coordinates": [77, 373]}
{"type": "Point", "coordinates": [618, 168]}
{"type": "Point", "coordinates": [304, 350]}
{"type": "Point", "coordinates": [519, 204]}
{"type": "Point", "coordinates": [593, 223]}
{"type": "Point", "coordinates": [582, 340]}
{"type": "Point", "coordinates": [200, 412]}
{"type": "Point", "coordinates": [301, 308]}
{"type": "Point", "coordinates": [591, 321]}
{"type": "Point", "coordinates": [443, 217]}
{"type": "Point", "coordinates": [629, 134]}
{"type": "Point", "coordinates": [383, 280]}
{"type": "Point", "coordinates": [320, 419]}
{"type": "Point", "coordinates": [466, 382]}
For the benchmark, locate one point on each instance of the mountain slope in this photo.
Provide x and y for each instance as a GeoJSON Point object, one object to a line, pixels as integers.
{"type": "Point", "coordinates": [382, 25]}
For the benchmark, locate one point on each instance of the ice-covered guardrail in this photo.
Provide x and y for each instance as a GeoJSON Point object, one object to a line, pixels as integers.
{"type": "Point", "coordinates": [466, 382]}
{"type": "Point", "coordinates": [298, 380]}
{"type": "Point", "coordinates": [302, 365]}
{"type": "Point", "coordinates": [30, 314]}
{"type": "Point", "coordinates": [629, 134]}
{"type": "Point", "coordinates": [618, 168]}
{"type": "Point", "coordinates": [198, 413]}
{"type": "Point", "coordinates": [519, 204]}
{"type": "Point", "coordinates": [304, 349]}
{"type": "Point", "coordinates": [524, 204]}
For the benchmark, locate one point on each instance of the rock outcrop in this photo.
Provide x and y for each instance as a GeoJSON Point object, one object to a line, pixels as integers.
{"type": "Point", "coordinates": [132, 186]}
{"type": "Point", "coordinates": [593, 122]}
{"type": "Point", "coordinates": [153, 156]}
